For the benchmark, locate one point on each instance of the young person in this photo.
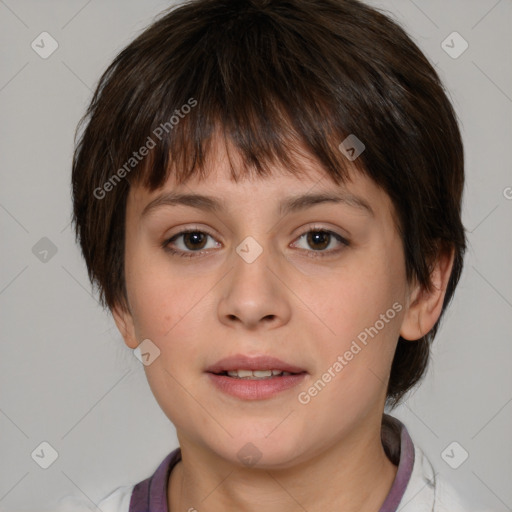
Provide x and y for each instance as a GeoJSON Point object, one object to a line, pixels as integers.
{"type": "Point", "coordinates": [267, 195]}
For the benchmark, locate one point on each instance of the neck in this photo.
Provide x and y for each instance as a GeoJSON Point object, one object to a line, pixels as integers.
{"type": "Point", "coordinates": [352, 474]}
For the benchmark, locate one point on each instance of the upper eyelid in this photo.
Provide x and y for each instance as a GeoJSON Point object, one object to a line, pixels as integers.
{"type": "Point", "coordinates": [198, 229]}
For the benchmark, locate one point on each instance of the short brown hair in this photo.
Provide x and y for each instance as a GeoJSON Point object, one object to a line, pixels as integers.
{"type": "Point", "coordinates": [273, 75]}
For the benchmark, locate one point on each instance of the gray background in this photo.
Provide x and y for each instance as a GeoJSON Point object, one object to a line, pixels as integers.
{"type": "Point", "coordinates": [66, 376]}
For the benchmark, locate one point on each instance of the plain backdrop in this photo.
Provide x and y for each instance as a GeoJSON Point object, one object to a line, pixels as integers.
{"type": "Point", "coordinates": [66, 376]}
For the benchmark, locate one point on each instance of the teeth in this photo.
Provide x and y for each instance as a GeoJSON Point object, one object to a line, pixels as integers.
{"type": "Point", "coordinates": [256, 374]}
{"type": "Point", "coordinates": [262, 373]}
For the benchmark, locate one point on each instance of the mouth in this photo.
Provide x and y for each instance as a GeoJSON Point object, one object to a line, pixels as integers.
{"type": "Point", "coordinates": [254, 378]}
{"type": "Point", "coordinates": [255, 374]}
{"type": "Point", "coordinates": [253, 367]}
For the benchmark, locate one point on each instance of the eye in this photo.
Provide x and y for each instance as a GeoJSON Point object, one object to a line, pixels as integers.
{"type": "Point", "coordinates": [319, 239]}
{"type": "Point", "coordinates": [193, 241]}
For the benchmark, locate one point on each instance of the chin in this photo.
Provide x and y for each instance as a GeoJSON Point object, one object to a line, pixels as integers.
{"type": "Point", "coordinates": [279, 450]}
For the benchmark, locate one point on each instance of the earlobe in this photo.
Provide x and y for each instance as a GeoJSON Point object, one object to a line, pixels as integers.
{"type": "Point", "coordinates": [124, 322]}
{"type": "Point", "coordinates": [425, 306]}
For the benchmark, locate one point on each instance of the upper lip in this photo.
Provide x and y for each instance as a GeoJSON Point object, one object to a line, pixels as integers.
{"type": "Point", "coordinates": [242, 362]}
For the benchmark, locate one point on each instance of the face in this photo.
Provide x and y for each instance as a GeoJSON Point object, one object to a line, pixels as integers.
{"type": "Point", "coordinates": [319, 285]}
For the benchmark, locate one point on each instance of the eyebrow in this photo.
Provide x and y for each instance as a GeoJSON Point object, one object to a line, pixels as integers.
{"type": "Point", "coordinates": [288, 205]}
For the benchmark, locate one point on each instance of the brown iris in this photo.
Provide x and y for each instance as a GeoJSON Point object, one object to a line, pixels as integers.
{"type": "Point", "coordinates": [320, 239]}
{"type": "Point", "coordinates": [195, 238]}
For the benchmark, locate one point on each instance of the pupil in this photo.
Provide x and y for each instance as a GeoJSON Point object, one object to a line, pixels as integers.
{"type": "Point", "coordinates": [318, 237]}
{"type": "Point", "coordinates": [195, 237]}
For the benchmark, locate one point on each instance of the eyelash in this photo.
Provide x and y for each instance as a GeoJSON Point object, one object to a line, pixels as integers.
{"type": "Point", "coordinates": [315, 254]}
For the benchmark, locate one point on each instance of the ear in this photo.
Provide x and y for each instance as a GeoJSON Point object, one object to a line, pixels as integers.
{"type": "Point", "coordinates": [124, 322]}
{"type": "Point", "coordinates": [425, 307]}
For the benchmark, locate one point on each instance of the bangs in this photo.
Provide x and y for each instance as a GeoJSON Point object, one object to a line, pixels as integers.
{"type": "Point", "coordinates": [261, 141]}
{"type": "Point", "coordinates": [284, 99]}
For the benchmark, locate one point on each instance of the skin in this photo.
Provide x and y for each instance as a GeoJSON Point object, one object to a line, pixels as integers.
{"type": "Point", "coordinates": [323, 455]}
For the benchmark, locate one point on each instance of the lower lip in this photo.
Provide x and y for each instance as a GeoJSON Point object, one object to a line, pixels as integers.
{"type": "Point", "coordinates": [255, 389]}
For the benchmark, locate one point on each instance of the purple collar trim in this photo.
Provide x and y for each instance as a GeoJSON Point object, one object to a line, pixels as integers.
{"type": "Point", "coordinates": [405, 464]}
{"type": "Point", "coordinates": [150, 495]}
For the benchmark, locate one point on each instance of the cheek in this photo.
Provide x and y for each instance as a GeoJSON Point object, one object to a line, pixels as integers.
{"type": "Point", "coordinates": [170, 311]}
{"type": "Point", "coordinates": [362, 308]}
{"type": "Point", "coordinates": [161, 300]}
{"type": "Point", "coordinates": [357, 299]}
{"type": "Point", "coordinates": [353, 366]}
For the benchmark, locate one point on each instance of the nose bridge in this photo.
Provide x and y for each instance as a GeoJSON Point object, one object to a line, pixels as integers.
{"type": "Point", "coordinates": [253, 294]}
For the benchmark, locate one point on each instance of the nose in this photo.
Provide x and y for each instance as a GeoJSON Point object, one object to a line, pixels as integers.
{"type": "Point", "coordinates": [254, 295]}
